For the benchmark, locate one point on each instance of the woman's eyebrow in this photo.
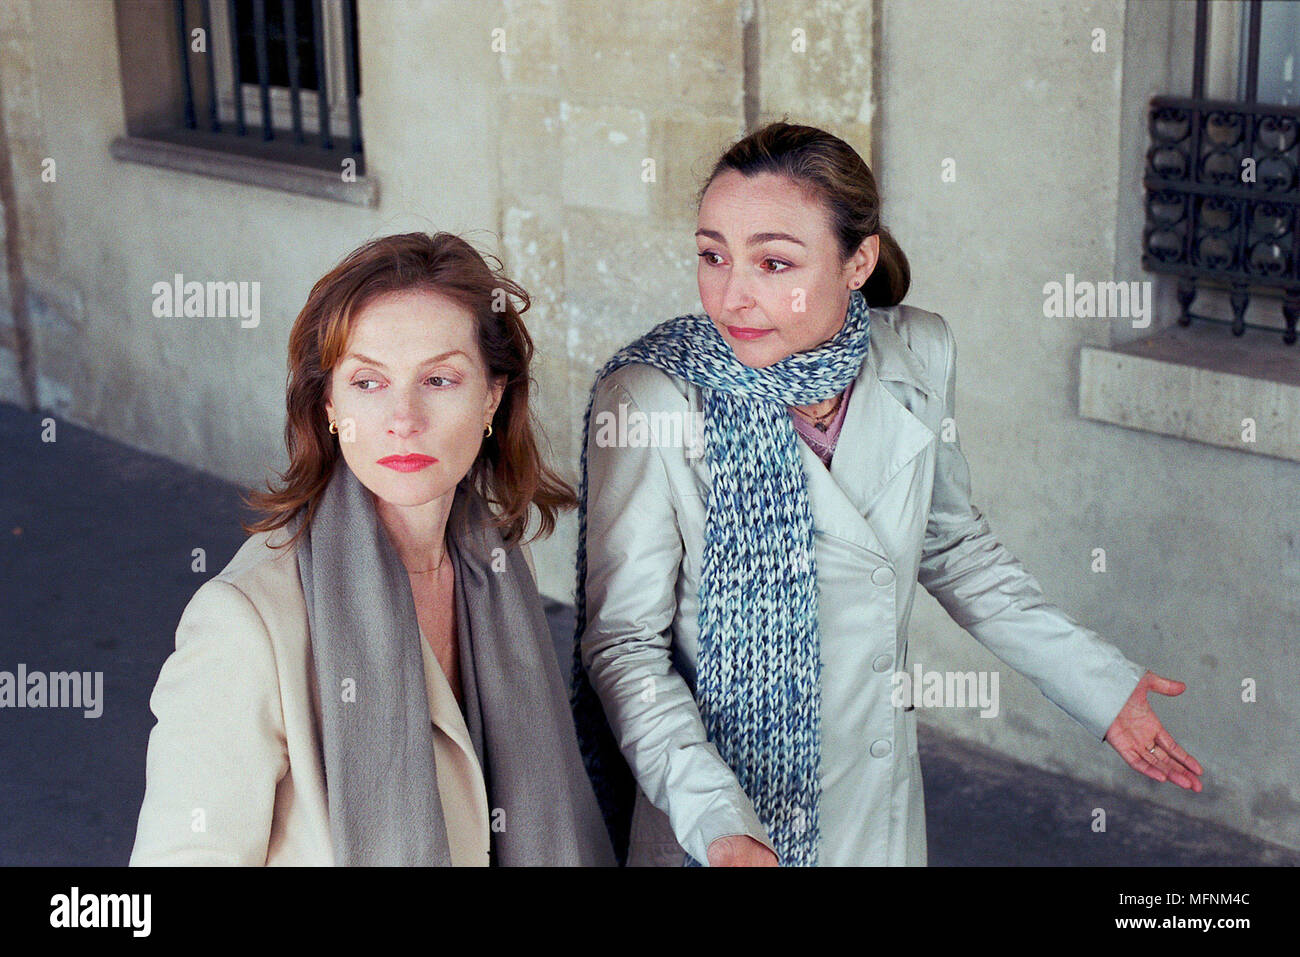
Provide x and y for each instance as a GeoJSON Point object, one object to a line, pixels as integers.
{"type": "Point", "coordinates": [755, 239]}
{"type": "Point", "coordinates": [366, 360]}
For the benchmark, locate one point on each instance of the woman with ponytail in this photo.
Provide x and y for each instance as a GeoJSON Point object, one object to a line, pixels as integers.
{"type": "Point", "coordinates": [742, 614]}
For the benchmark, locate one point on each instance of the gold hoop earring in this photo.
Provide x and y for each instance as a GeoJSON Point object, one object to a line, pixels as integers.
{"type": "Point", "coordinates": [487, 432]}
{"type": "Point", "coordinates": [334, 427]}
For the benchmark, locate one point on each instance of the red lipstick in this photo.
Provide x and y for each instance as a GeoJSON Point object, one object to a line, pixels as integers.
{"type": "Point", "coordinates": [744, 332]}
{"type": "Point", "coordinates": [407, 463]}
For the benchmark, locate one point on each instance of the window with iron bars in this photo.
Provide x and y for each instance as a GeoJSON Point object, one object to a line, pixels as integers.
{"type": "Point", "coordinates": [1222, 177]}
{"type": "Point", "coordinates": [272, 78]}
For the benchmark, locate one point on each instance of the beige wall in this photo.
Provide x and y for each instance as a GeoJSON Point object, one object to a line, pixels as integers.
{"type": "Point", "coordinates": [1202, 547]}
{"type": "Point", "coordinates": [538, 153]}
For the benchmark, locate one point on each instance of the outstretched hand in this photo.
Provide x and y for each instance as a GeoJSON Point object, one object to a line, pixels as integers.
{"type": "Point", "coordinates": [1142, 741]}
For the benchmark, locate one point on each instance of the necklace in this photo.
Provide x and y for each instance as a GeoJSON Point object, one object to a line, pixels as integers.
{"type": "Point", "coordinates": [820, 422]}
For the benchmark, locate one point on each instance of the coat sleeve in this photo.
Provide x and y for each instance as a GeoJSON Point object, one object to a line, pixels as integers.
{"type": "Point", "coordinates": [986, 590]}
{"type": "Point", "coordinates": [634, 549]}
{"type": "Point", "coordinates": [218, 750]}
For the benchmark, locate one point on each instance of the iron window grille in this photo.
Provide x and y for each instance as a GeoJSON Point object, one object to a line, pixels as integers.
{"type": "Point", "coordinates": [280, 73]}
{"type": "Point", "coordinates": [1222, 192]}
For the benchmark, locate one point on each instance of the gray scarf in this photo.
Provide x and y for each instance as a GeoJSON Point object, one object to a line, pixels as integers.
{"type": "Point", "coordinates": [377, 737]}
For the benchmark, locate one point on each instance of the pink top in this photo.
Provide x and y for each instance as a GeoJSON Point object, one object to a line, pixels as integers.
{"type": "Point", "coordinates": [823, 443]}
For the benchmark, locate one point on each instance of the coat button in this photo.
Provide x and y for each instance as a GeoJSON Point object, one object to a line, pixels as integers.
{"type": "Point", "coordinates": [884, 575]}
{"type": "Point", "coordinates": [880, 748]}
{"type": "Point", "coordinates": [882, 662]}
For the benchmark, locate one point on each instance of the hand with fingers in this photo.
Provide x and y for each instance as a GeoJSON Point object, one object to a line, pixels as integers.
{"type": "Point", "coordinates": [740, 850]}
{"type": "Point", "coordinates": [1144, 744]}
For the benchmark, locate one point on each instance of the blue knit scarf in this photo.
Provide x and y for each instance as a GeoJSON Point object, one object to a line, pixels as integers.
{"type": "Point", "coordinates": [759, 664]}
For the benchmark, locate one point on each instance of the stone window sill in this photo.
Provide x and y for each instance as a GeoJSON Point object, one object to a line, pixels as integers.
{"type": "Point", "coordinates": [1199, 383]}
{"type": "Point", "coordinates": [264, 171]}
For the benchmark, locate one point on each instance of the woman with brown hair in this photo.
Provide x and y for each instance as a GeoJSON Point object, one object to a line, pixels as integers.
{"type": "Point", "coordinates": [370, 680]}
{"type": "Point", "coordinates": [743, 615]}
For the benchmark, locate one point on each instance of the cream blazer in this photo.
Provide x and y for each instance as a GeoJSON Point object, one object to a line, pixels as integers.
{"type": "Point", "coordinates": [893, 509]}
{"type": "Point", "coordinates": [234, 772]}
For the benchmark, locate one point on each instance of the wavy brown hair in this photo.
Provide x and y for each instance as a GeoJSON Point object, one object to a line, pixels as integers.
{"type": "Point", "coordinates": [509, 472]}
{"type": "Point", "coordinates": [831, 171]}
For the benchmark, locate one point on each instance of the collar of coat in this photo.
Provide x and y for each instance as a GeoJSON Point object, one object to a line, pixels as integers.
{"type": "Point", "coordinates": [889, 400]}
{"type": "Point", "coordinates": [891, 359]}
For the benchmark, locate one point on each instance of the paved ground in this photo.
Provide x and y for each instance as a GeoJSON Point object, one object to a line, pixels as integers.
{"type": "Point", "coordinates": [96, 541]}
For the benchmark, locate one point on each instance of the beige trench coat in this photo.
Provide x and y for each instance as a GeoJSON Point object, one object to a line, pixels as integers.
{"type": "Point", "coordinates": [234, 773]}
{"type": "Point", "coordinates": [893, 509]}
